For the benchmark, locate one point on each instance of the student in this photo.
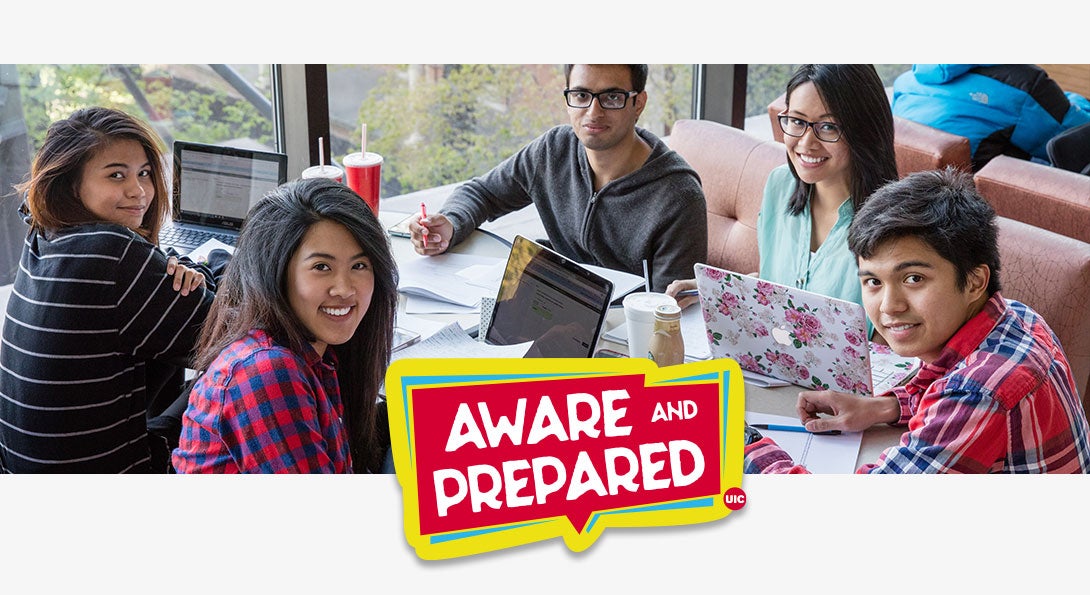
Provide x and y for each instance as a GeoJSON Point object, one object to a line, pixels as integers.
{"type": "Point", "coordinates": [297, 342]}
{"type": "Point", "coordinates": [838, 131]}
{"type": "Point", "coordinates": [98, 316]}
{"type": "Point", "coordinates": [608, 193]}
{"type": "Point", "coordinates": [995, 392]}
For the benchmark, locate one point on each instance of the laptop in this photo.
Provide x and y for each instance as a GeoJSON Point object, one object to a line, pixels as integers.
{"type": "Point", "coordinates": [213, 190]}
{"type": "Point", "coordinates": [797, 336]}
{"type": "Point", "coordinates": [551, 300]}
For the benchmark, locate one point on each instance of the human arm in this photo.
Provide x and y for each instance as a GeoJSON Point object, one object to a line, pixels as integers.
{"type": "Point", "coordinates": [678, 285]}
{"type": "Point", "coordinates": [502, 190]}
{"type": "Point", "coordinates": [439, 229]}
{"type": "Point", "coordinates": [186, 279]}
{"type": "Point", "coordinates": [826, 410]}
{"type": "Point", "coordinates": [154, 320]}
{"type": "Point", "coordinates": [683, 237]}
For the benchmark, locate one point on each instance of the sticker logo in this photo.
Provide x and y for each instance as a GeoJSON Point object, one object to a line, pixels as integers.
{"type": "Point", "coordinates": [496, 453]}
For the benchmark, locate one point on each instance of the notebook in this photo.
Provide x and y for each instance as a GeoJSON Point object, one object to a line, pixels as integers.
{"type": "Point", "coordinates": [551, 300]}
{"type": "Point", "coordinates": [213, 189]}
{"type": "Point", "coordinates": [804, 338]}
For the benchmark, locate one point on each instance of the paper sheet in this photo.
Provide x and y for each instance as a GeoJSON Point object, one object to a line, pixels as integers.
{"type": "Point", "coordinates": [439, 278]}
{"type": "Point", "coordinates": [451, 341]}
{"type": "Point", "coordinates": [200, 253]}
{"type": "Point", "coordinates": [820, 454]}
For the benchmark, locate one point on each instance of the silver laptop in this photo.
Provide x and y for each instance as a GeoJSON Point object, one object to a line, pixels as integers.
{"type": "Point", "coordinates": [804, 338]}
{"type": "Point", "coordinates": [213, 188]}
{"type": "Point", "coordinates": [551, 300]}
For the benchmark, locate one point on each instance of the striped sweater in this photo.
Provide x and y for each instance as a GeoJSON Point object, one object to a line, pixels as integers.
{"type": "Point", "coordinates": [91, 305]}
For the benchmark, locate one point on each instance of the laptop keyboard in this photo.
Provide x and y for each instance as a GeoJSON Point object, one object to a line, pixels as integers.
{"type": "Point", "coordinates": [180, 237]}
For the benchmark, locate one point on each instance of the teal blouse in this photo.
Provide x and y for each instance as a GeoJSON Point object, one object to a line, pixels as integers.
{"type": "Point", "coordinates": [783, 241]}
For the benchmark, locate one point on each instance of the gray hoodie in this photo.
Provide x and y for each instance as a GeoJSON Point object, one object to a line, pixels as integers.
{"type": "Point", "coordinates": [656, 213]}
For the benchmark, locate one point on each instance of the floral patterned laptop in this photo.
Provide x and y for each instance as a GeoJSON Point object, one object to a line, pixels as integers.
{"type": "Point", "coordinates": [797, 336]}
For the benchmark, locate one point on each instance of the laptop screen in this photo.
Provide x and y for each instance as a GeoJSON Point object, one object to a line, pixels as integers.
{"type": "Point", "coordinates": [216, 185]}
{"type": "Point", "coordinates": [550, 300]}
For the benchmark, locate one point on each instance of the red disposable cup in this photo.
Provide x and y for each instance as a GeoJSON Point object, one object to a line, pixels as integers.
{"type": "Point", "coordinates": [363, 174]}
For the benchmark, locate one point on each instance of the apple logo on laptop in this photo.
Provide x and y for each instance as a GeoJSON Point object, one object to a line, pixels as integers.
{"type": "Point", "coordinates": [782, 336]}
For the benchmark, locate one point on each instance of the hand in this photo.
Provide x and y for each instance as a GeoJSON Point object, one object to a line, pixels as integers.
{"type": "Point", "coordinates": [439, 230]}
{"type": "Point", "coordinates": [681, 285]}
{"type": "Point", "coordinates": [185, 278]}
{"type": "Point", "coordinates": [847, 412]}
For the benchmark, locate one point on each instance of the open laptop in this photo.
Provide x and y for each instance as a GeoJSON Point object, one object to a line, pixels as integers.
{"type": "Point", "coordinates": [804, 338]}
{"type": "Point", "coordinates": [213, 189]}
{"type": "Point", "coordinates": [551, 300]}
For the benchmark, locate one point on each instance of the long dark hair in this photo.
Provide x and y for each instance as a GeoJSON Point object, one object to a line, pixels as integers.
{"type": "Point", "coordinates": [854, 94]}
{"type": "Point", "coordinates": [57, 170]}
{"type": "Point", "coordinates": [253, 294]}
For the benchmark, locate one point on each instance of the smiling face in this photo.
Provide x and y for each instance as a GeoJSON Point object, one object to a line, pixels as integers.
{"type": "Point", "coordinates": [601, 129]}
{"type": "Point", "coordinates": [824, 164]}
{"type": "Point", "coordinates": [116, 184]}
{"type": "Point", "coordinates": [330, 282]}
{"type": "Point", "coordinates": [911, 294]}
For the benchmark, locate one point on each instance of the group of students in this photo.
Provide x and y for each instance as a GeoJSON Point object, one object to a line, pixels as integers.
{"type": "Point", "coordinates": [99, 315]}
{"type": "Point", "coordinates": [994, 392]}
{"type": "Point", "coordinates": [101, 323]}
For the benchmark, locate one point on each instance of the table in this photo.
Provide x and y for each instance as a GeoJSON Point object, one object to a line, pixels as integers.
{"type": "Point", "coordinates": [777, 401]}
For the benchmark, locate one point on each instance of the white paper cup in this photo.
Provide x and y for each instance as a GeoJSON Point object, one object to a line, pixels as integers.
{"type": "Point", "coordinates": [324, 171]}
{"type": "Point", "coordinates": [639, 315]}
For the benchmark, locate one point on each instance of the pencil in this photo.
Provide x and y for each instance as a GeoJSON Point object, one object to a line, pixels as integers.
{"type": "Point", "coordinates": [783, 428]}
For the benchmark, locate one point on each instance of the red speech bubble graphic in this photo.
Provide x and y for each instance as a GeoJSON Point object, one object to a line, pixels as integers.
{"type": "Point", "coordinates": [484, 456]}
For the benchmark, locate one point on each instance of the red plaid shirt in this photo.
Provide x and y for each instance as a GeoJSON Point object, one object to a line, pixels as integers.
{"type": "Point", "coordinates": [1000, 398]}
{"type": "Point", "coordinates": [262, 408]}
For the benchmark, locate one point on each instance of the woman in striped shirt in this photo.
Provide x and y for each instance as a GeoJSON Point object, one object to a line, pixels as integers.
{"type": "Point", "coordinates": [97, 311]}
{"type": "Point", "coordinates": [297, 343]}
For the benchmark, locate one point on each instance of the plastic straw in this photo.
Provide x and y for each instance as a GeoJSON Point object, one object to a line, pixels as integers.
{"type": "Point", "coordinates": [646, 277]}
{"type": "Point", "coordinates": [321, 152]}
{"type": "Point", "coordinates": [363, 145]}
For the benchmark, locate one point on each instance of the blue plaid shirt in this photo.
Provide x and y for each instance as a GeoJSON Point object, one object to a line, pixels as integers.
{"type": "Point", "coordinates": [262, 408]}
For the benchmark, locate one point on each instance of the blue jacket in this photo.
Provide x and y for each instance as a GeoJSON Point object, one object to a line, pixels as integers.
{"type": "Point", "coordinates": [1003, 109]}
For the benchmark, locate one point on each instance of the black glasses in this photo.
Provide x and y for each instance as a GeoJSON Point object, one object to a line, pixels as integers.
{"type": "Point", "coordinates": [607, 99]}
{"type": "Point", "coordinates": [826, 131]}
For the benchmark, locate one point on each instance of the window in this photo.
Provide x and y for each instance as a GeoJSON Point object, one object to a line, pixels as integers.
{"type": "Point", "coordinates": [437, 124]}
{"type": "Point", "coordinates": [210, 103]}
{"type": "Point", "coordinates": [766, 82]}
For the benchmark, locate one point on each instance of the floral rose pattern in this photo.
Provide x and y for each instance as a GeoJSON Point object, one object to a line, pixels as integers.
{"type": "Point", "coordinates": [817, 357]}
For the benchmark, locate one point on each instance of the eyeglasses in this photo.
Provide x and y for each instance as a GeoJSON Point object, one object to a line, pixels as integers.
{"type": "Point", "coordinates": [826, 131]}
{"type": "Point", "coordinates": [607, 99]}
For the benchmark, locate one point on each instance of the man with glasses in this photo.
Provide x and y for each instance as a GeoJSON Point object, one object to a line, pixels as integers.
{"type": "Point", "coordinates": [608, 193]}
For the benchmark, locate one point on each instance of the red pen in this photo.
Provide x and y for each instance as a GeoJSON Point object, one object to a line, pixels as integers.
{"type": "Point", "coordinates": [424, 215]}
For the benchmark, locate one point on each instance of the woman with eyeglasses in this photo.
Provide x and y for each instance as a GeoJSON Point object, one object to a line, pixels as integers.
{"type": "Point", "coordinates": [838, 130]}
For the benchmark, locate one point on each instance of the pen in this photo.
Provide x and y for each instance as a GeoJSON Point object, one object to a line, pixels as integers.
{"type": "Point", "coordinates": [803, 429]}
{"type": "Point", "coordinates": [689, 293]}
{"type": "Point", "coordinates": [424, 215]}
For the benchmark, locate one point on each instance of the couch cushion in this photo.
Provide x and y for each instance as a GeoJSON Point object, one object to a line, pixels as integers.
{"type": "Point", "coordinates": [733, 166]}
{"type": "Point", "coordinates": [1038, 194]}
{"type": "Point", "coordinates": [1051, 273]}
{"type": "Point", "coordinates": [916, 147]}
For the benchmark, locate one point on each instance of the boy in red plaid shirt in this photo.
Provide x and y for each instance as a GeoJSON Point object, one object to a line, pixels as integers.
{"type": "Point", "coordinates": [994, 393]}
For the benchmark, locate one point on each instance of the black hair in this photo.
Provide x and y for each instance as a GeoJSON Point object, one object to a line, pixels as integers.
{"type": "Point", "coordinates": [940, 207]}
{"type": "Point", "coordinates": [253, 294]}
{"type": "Point", "coordinates": [638, 71]}
{"type": "Point", "coordinates": [854, 95]}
